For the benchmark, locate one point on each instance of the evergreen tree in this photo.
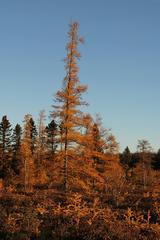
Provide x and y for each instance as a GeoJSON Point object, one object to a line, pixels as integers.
{"type": "Point", "coordinates": [51, 130]}
{"type": "Point", "coordinates": [16, 145]}
{"type": "Point", "coordinates": [16, 138]}
{"type": "Point", "coordinates": [69, 99]}
{"type": "Point", "coordinates": [126, 160]}
{"type": "Point", "coordinates": [33, 132]}
{"type": "Point", "coordinates": [156, 161]}
{"type": "Point", "coordinates": [126, 157]}
{"type": "Point", "coordinates": [61, 132]}
{"type": "Point", "coordinates": [5, 147]}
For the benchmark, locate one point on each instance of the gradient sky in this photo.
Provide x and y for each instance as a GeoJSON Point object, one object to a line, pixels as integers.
{"type": "Point", "coordinates": [120, 61]}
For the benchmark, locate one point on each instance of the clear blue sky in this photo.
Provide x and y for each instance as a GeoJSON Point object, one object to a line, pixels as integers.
{"type": "Point", "coordinates": [120, 63]}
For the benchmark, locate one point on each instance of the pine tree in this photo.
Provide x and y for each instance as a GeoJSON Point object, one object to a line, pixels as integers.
{"type": "Point", "coordinates": [61, 133]}
{"type": "Point", "coordinates": [5, 147]}
{"type": "Point", "coordinates": [126, 160]}
{"type": "Point", "coordinates": [16, 138]}
{"type": "Point", "coordinates": [156, 162]}
{"type": "Point", "coordinates": [33, 134]}
{"type": "Point", "coordinates": [16, 145]}
{"type": "Point", "coordinates": [69, 98]}
{"type": "Point", "coordinates": [51, 131]}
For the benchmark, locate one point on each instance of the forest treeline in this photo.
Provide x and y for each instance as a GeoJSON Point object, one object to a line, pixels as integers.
{"type": "Point", "coordinates": [68, 180]}
{"type": "Point", "coordinates": [29, 153]}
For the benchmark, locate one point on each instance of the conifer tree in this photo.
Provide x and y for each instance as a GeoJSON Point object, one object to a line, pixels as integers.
{"type": "Point", "coordinates": [16, 145]}
{"type": "Point", "coordinates": [16, 138]}
{"type": "Point", "coordinates": [69, 98]}
{"type": "Point", "coordinates": [51, 131]}
{"type": "Point", "coordinates": [156, 161]}
{"type": "Point", "coordinates": [126, 160]}
{"type": "Point", "coordinates": [126, 156]}
{"type": "Point", "coordinates": [27, 154]}
{"type": "Point", "coordinates": [5, 147]}
{"type": "Point", "coordinates": [94, 140]}
{"type": "Point", "coordinates": [33, 135]}
{"type": "Point", "coordinates": [61, 133]}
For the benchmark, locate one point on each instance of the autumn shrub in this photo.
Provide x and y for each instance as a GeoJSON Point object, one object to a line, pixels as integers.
{"type": "Point", "coordinates": [37, 217]}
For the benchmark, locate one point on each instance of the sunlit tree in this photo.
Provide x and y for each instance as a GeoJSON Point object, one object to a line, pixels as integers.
{"type": "Point", "coordinates": [40, 155]}
{"type": "Point", "coordinates": [143, 167]}
{"type": "Point", "coordinates": [27, 154]}
{"type": "Point", "coordinates": [68, 99]}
